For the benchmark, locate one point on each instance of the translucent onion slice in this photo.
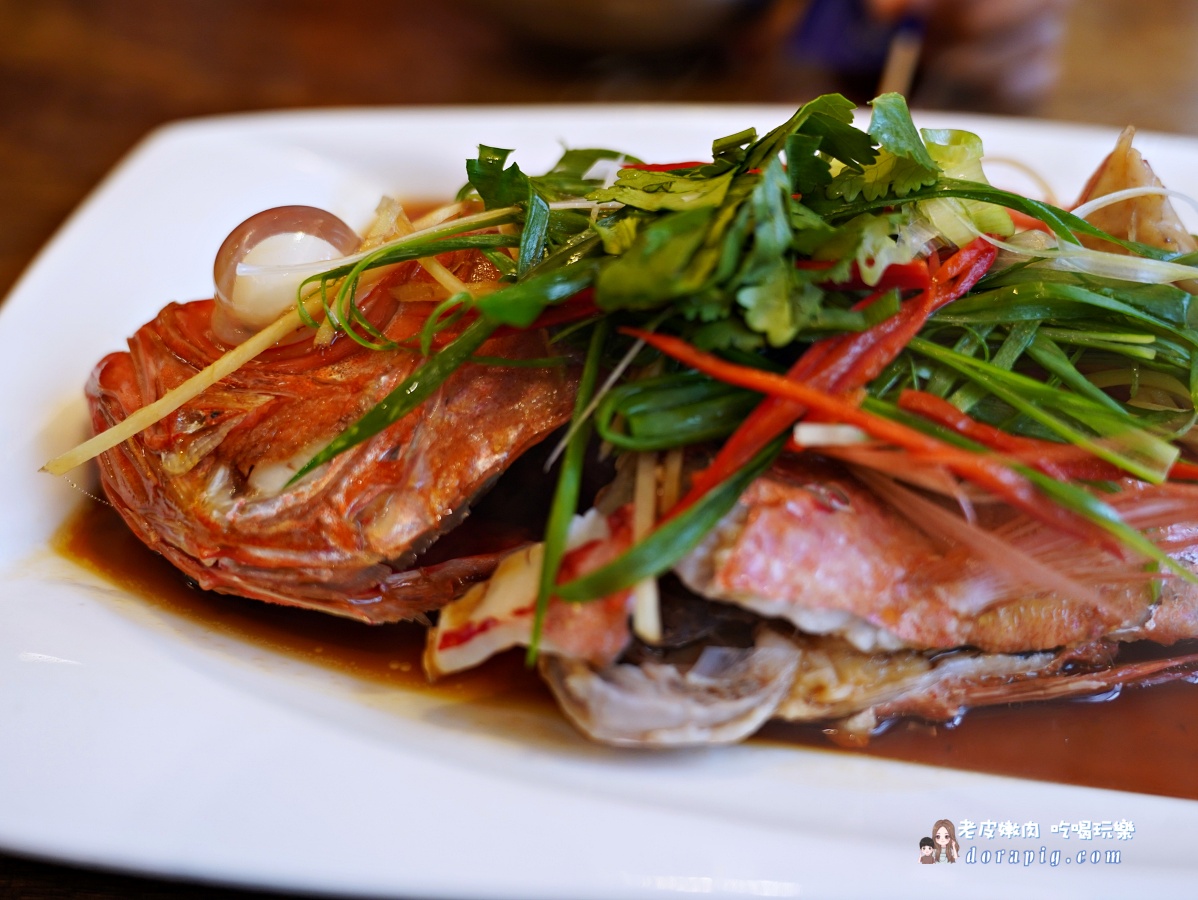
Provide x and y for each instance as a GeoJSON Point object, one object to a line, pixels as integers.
{"type": "Point", "coordinates": [260, 265]}
{"type": "Point", "coordinates": [1083, 211]}
{"type": "Point", "coordinates": [1075, 258]}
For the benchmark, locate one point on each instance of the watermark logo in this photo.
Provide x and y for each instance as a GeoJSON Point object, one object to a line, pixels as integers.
{"type": "Point", "coordinates": [1090, 842]}
{"type": "Point", "coordinates": [941, 845]}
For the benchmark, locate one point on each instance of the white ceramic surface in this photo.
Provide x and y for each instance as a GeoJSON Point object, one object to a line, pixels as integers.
{"type": "Point", "coordinates": [134, 740]}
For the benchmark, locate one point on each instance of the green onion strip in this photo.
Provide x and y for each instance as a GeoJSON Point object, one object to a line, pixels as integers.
{"type": "Point", "coordinates": [1129, 447]}
{"type": "Point", "coordinates": [569, 486]}
{"type": "Point", "coordinates": [413, 391]}
{"type": "Point", "coordinates": [671, 540]}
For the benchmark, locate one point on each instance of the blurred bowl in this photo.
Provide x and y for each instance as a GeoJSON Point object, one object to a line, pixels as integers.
{"type": "Point", "coordinates": [621, 25]}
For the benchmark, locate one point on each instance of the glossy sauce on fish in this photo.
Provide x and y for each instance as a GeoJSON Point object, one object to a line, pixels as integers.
{"type": "Point", "coordinates": [1145, 740]}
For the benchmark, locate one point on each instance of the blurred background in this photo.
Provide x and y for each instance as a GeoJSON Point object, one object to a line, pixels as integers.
{"type": "Point", "coordinates": [81, 81]}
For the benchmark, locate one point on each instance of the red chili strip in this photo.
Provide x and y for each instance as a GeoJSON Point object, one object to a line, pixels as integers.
{"type": "Point", "coordinates": [940, 411]}
{"type": "Point", "coordinates": [990, 472]}
{"type": "Point", "coordinates": [844, 363]}
{"type": "Point", "coordinates": [1184, 471]}
{"type": "Point", "coordinates": [1062, 461]}
{"type": "Point", "coordinates": [912, 276]}
{"type": "Point", "coordinates": [1065, 462]}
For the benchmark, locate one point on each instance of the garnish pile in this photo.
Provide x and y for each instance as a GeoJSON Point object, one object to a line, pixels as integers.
{"type": "Point", "coordinates": [868, 285]}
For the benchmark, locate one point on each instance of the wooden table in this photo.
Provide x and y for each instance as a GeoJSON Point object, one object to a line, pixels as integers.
{"type": "Point", "coordinates": [81, 81]}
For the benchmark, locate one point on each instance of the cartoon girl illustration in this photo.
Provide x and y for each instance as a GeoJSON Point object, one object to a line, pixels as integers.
{"type": "Point", "coordinates": [944, 835]}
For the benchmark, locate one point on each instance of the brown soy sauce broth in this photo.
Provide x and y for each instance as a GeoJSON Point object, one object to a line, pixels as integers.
{"type": "Point", "coordinates": [1143, 740]}
{"type": "Point", "coordinates": [96, 538]}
